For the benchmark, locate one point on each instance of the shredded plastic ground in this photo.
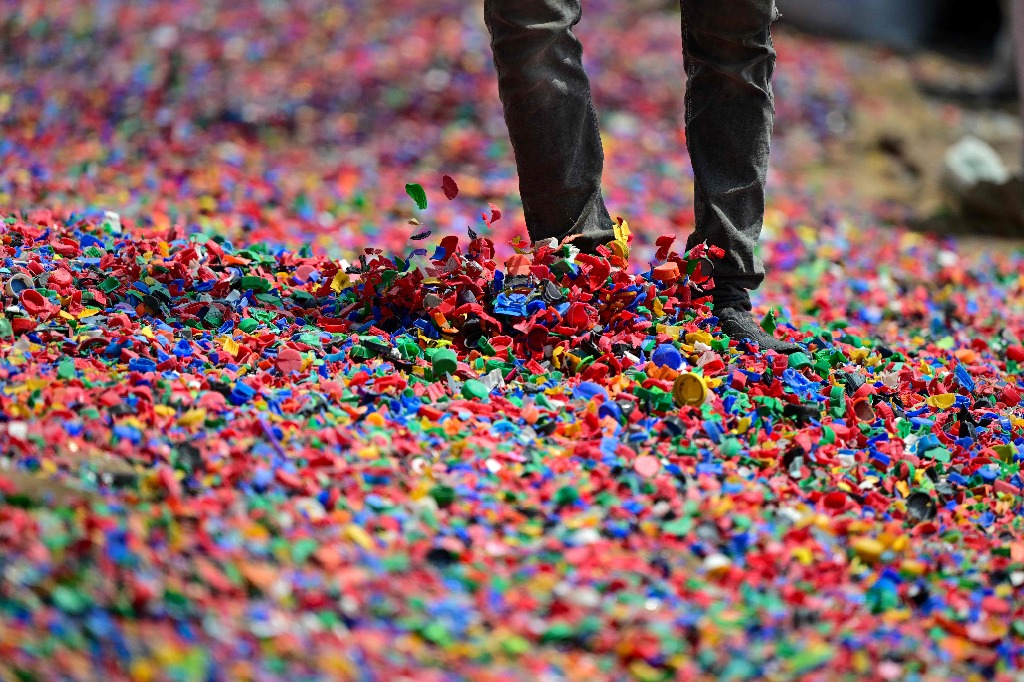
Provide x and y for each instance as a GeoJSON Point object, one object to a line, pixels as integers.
{"type": "Point", "coordinates": [235, 443]}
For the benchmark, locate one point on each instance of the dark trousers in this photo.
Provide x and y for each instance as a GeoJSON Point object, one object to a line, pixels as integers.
{"type": "Point", "coordinates": [728, 58]}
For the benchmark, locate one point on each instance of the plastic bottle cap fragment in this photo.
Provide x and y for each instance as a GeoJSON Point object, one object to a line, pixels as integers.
{"type": "Point", "coordinates": [474, 389]}
{"type": "Point", "coordinates": [619, 248]}
{"type": "Point", "coordinates": [666, 272]}
{"type": "Point", "coordinates": [646, 465]}
{"type": "Point", "coordinates": [444, 361]}
{"type": "Point", "coordinates": [17, 284]}
{"type": "Point", "coordinates": [942, 401]}
{"type": "Point", "coordinates": [667, 355]}
{"type": "Point", "coordinates": [689, 389]}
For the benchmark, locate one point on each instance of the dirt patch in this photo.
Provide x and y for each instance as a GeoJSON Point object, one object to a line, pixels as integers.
{"type": "Point", "coordinates": [893, 152]}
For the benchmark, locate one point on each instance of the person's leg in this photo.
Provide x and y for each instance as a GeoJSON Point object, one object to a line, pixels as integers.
{"type": "Point", "coordinates": [730, 110]}
{"type": "Point", "coordinates": [550, 116]}
{"type": "Point", "coordinates": [729, 59]}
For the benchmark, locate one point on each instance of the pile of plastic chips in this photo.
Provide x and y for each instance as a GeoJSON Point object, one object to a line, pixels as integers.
{"type": "Point", "coordinates": [236, 461]}
{"type": "Point", "coordinates": [456, 455]}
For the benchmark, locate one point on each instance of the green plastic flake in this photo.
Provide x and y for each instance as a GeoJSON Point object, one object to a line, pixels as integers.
{"type": "Point", "coordinates": [109, 284]}
{"type": "Point", "coordinates": [250, 282]}
{"type": "Point", "coordinates": [415, 191]}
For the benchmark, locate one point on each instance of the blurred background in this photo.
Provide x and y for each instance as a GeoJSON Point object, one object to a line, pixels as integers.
{"type": "Point", "coordinates": [941, 135]}
{"type": "Point", "coordinates": [967, 28]}
{"type": "Point", "coordinates": [301, 121]}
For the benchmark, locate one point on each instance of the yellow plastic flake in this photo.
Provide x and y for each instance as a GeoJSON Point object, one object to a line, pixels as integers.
{"type": "Point", "coordinates": [340, 281]}
{"type": "Point", "coordinates": [229, 345]}
{"type": "Point", "coordinates": [335, 665]}
{"type": "Point", "coordinates": [641, 670]}
{"type": "Point", "coordinates": [621, 231]}
{"type": "Point", "coordinates": [807, 234]}
{"type": "Point", "coordinates": [420, 490]}
{"type": "Point", "coordinates": [650, 529]}
{"type": "Point", "coordinates": [693, 337]}
{"type": "Point", "coordinates": [942, 401]}
{"type": "Point", "coordinates": [868, 549]}
{"type": "Point", "coordinates": [359, 536]}
{"type": "Point", "coordinates": [860, 663]}
{"type": "Point", "coordinates": [164, 410]}
{"type": "Point", "coordinates": [573, 361]}
{"type": "Point", "coordinates": [859, 355]}
{"type": "Point", "coordinates": [192, 417]}
{"type": "Point", "coordinates": [803, 555]}
{"type": "Point", "coordinates": [912, 567]}
{"type": "Point", "coordinates": [858, 526]}
{"type": "Point", "coordinates": [671, 331]}
{"type": "Point", "coordinates": [903, 488]}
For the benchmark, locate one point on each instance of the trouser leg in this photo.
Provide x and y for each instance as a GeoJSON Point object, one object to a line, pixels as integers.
{"type": "Point", "coordinates": [729, 60]}
{"type": "Point", "coordinates": [550, 116]}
